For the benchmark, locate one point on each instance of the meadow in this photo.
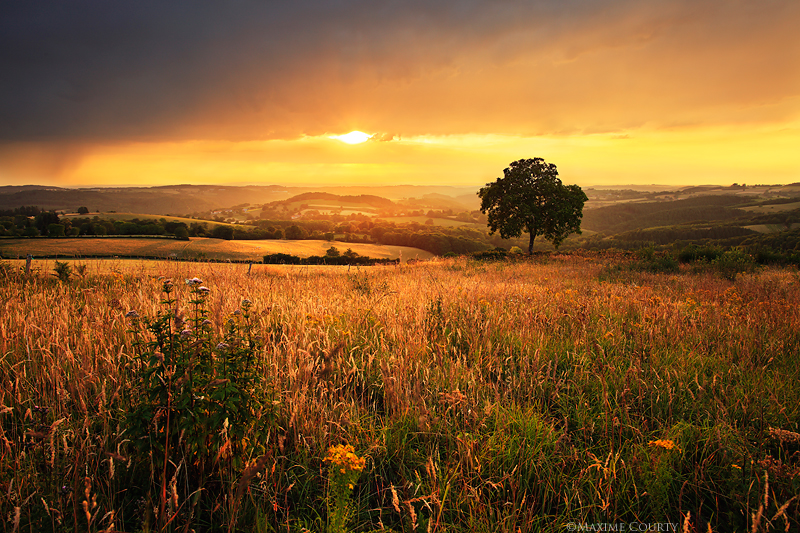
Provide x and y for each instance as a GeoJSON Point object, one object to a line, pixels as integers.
{"type": "Point", "coordinates": [558, 392]}
{"type": "Point", "coordinates": [196, 248]}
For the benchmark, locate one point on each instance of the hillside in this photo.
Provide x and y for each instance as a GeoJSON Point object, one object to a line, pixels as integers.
{"type": "Point", "coordinates": [184, 199]}
{"type": "Point", "coordinates": [630, 216]}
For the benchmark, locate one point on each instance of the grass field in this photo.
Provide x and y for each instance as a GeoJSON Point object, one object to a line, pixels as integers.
{"type": "Point", "coordinates": [195, 248]}
{"type": "Point", "coordinates": [446, 222]}
{"type": "Point", "coordinates": [770, 228]}
{"type": "Point", "coordinates": [489, 397]}
{"type": "Point", "coordinates": [773, 208]}
{"type": "Point", "coordinates": [130, 216]}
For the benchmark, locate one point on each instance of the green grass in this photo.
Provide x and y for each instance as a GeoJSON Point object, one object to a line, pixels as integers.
{"type": "Point", "coordinates": [130, 216]}
{"type": "Point", "coordinates": [771, 228]}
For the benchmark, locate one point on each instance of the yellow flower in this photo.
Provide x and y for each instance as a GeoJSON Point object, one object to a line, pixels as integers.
{"type": "Point", "coordinates": [663, 443]}
{"type": "Point", "coordinates": [345, 458]}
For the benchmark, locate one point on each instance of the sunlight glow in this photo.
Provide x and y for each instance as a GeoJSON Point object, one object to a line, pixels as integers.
{"type": "Point", "coordinates": [354, 137]}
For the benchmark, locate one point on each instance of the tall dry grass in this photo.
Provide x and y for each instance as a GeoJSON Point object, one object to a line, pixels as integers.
{"type": "Point", "coordinates": [485, 396]}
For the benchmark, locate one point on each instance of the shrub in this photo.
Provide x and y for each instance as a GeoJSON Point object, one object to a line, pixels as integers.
{"type": "Point", "coordinates": [662, 263]}
{"type": "Point", "coordinates": [694, 252]}
{"type": "Point", "coordinates": [281, 259]}
{"type": "Point", "coordinates": [491, 255]}
{"type": "Point", "coordinates": [734, 262]}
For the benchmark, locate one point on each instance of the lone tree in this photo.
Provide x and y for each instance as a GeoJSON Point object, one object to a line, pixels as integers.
{"type": "Point", "coordinates": [530, 197]}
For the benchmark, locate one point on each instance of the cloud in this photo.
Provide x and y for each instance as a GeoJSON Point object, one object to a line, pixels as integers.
{"type": "Point", "coordinates": [383, 137]}
{"type": "Point", "coordinates": [89, 71]}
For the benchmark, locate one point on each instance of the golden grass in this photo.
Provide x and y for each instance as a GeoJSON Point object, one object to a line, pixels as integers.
{"type": "Point", "coordinates": [196, 248]}
{"type": "Point", "coordinates": [485, 396]}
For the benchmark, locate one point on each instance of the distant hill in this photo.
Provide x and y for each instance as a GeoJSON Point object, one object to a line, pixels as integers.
{"type": "Point", "coordinates": [343, 200]}
{"type": "Point", "coordinates": [631, 216]}
{"type": "Point", "coordinates": [184, 199]}
{"type": "Point", "coordinates": [174, 199]}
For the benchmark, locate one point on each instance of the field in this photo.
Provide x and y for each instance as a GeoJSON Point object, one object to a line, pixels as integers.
{"type": "Point", "coordinates": [448, 222]}
{"type": "Point", "coordinates": [770, 228]}
{"type": "Point", "coordinates": [484, 397]}
{"type": "Point", "coordinates": [195, 248]}
{"type": "Point", "coordinates": [142, 216]}
{"type": "Point", "coordinates": [772, 208]}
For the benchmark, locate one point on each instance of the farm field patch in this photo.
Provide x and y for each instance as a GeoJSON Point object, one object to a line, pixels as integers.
{"type": "Point", "coordinates": [195, 248]}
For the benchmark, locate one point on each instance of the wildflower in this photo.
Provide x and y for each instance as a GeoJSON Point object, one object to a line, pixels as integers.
{"type": "Point", "coordinates": [663, 443]}
{"type": "Point", "coordinates": [194, 281]}
{"type": "Point", "coordinates": [186, 333]}
{"type": "Point", "coordinates": [222, 346]}
{"type": "Point", "coordinates": [237, 312]}
{"type": "Point", "coordinates": [345, 458]}
{"type": "Point", "coordinates": [246, 303]}
{"type": "Point", "coordinates": [132, 314]}
{"type": "Point", "coordinates": [206, 322]}
{"type": "Point", "coordinates": [203, 290]}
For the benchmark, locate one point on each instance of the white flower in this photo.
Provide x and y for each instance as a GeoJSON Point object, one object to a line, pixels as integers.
{"type": "Point", "coordinates": [186, 333]}
{"type": "Point", "coordinates": [194, 281]}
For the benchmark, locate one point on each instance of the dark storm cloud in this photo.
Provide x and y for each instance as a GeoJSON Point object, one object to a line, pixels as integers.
{"type": "Point", "coordinates": [147, 70]}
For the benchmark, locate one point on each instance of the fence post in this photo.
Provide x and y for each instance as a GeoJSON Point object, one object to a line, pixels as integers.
{"type": "Point", "coordinates": [28, 265]}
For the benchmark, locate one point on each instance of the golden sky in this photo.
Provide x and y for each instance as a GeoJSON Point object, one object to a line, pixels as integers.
{"type": "Point", "coordinates": [612, 92]}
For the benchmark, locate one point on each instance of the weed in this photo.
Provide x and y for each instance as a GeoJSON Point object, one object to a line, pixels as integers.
{"type": "Point", "coordinates": [199, 403]}
{"type": "Point", "coordinates": [63, 270]}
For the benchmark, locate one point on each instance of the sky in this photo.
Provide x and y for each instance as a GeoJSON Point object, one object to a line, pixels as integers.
{"type": "Point", "coordinates": [672, 92]}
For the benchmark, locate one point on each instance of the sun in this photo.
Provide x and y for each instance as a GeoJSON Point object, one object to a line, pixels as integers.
{"type": "Point", "coordinates": [354, 137]}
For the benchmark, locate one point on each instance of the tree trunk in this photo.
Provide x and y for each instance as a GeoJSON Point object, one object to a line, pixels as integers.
{"type": "Point", "coordinates": [530, 244]}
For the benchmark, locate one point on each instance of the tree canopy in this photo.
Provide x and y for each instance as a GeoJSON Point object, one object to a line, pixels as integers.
{"type": "Point", "coordinates": [531, 198]}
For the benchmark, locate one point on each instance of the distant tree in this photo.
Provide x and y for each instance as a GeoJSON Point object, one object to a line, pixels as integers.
{"type": "Point", "coordinates": [333, 252]}
{"type": "Point", "coordinates": [198, 229]}
{"type": "Point", "coordinates": [531, 198]}
{"type": "Point", "coordinates": [83, 210]}
{"type": "Point", "coordinates": [223, 232]}
{"type": "Point", "coordinates": [182, 232]}
{"type": "Point", "coordinates": [55, 230]}
{"type": "Point", "coordinates": [294, 233]}
{"type": "Point", "coordinates": [44, 219]}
